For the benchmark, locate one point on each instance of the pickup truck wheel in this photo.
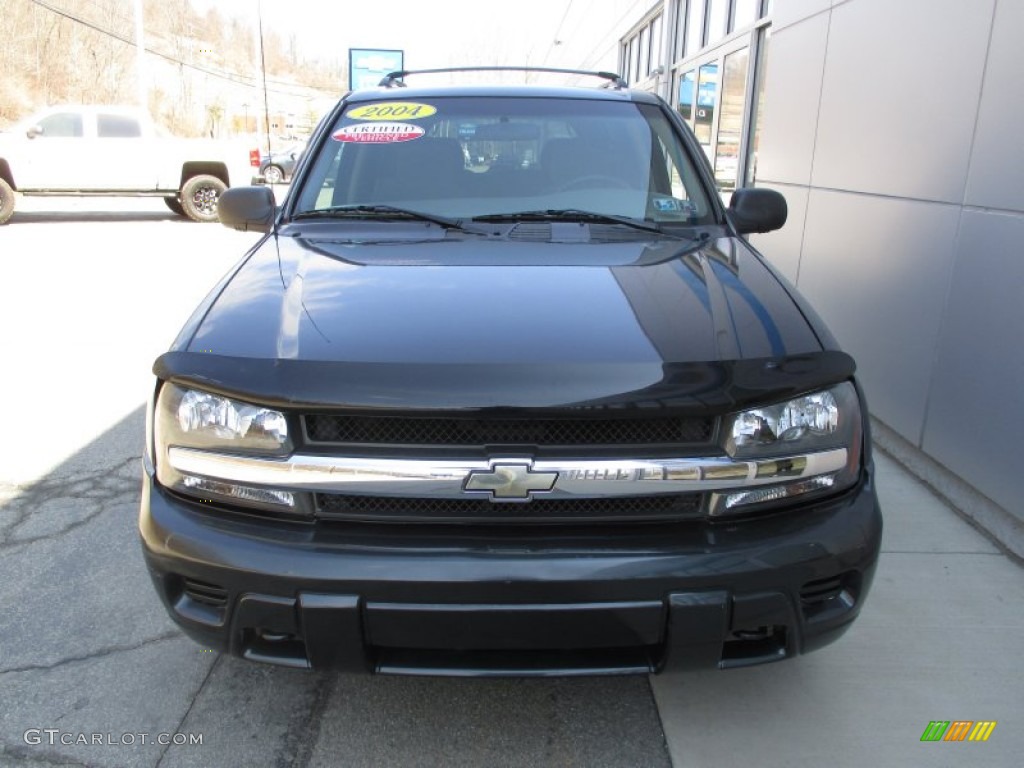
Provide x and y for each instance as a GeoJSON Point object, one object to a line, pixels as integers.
{"type": "Point", "coordinates": [174, 205]}
{"type": "Point", "coordinates": [273, 175]}
{"type": "Point", "coordinates": [6, 201]}
{"type": "Point", "coordinates": [199, 196]}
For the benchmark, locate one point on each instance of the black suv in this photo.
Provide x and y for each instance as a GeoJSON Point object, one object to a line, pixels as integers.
{"type": "Point", "coordinates": [503, 390]}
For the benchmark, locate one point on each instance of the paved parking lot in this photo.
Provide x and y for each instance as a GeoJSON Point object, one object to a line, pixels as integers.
{"type": "Point", "coordinates": [91, 292]}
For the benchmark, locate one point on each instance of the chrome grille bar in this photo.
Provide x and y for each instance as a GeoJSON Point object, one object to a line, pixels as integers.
{"type": "Point", "coordinates": [449, 479]}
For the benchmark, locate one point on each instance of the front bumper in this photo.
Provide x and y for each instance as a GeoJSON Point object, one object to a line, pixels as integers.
{"type": "Point", "coordinates": [504, 600]}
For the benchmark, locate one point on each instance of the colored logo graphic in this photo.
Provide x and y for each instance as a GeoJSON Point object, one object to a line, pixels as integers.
{"type": "Point", "coordinates": [378, 133]}
{"type": "Point", "coordinates": [958, 730]}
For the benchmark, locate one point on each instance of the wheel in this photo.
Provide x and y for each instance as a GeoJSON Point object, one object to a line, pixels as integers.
{"type": "Point", "coordinates": [594, 180]}
{"type": "Point", "coordinates": [199, 197]}
{"type": "Point", "coordinates": [174, 205]}
{"type": "Point", "coordinates": [274, 174]}
{"type": "Point", "coordinates": [6, 201]}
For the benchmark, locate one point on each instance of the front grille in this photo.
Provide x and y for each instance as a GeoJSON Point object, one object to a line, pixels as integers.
{"type": "Point", "coordinates": [331, 506]}
{"type": "Point", "coordinates": [473, 432]}
{"type": "Point", "coordinates": [207, 594]}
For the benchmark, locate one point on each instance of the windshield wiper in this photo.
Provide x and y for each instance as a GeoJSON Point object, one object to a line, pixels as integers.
{"type": "Point", "coordinates": [574, 214]}
{"type": "Point", "coordinates": [378, 211]}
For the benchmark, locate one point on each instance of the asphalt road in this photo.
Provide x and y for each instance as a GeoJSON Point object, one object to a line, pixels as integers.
{"type": "Point", "coordinates": [92, 291]}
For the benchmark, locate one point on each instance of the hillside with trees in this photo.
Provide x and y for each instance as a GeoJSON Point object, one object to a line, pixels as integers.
{"type": "Point", "coordinates": [202, 70]}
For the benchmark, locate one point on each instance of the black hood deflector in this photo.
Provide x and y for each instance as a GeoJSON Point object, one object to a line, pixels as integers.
{"type": "Point", "coordinates": [714, 387]}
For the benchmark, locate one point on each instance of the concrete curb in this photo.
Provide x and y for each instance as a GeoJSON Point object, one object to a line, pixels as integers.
{"type": "Point", "coordinates": [997, 523]}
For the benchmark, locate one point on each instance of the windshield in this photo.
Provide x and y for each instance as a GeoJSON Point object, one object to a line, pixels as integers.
{"type": "Point", "coordinates": [463, 157]}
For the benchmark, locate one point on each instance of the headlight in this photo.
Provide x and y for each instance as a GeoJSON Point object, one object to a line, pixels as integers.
{"type": "Point", "coordinates": [204, 419]}
{"type": "Point", "coordinates": [829, 420]}
{"type": "Point", "coordinates": [189, 418]}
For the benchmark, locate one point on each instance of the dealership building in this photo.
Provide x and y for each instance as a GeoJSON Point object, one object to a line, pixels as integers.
{"type": "Point", "coordinates": [893, 130]}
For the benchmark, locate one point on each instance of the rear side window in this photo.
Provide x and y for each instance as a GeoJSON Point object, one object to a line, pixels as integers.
{"type": "Point", "coordinates": [62, 125]}
{"type": "Point", "coordinates": [117, 127]}
{"type": "Point", "coordinates": [495, 155]}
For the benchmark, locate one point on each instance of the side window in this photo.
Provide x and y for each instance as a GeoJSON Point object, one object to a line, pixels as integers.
{"type": "Point", "coordinates": [62, 125]}
{"type": "Point", "coordinates": [117, 127]}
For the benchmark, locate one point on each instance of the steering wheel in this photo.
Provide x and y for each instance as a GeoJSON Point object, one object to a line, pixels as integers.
{"type": "Point", "coordinates": [594, 180]}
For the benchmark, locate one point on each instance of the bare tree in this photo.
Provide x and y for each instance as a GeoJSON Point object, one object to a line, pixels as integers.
{"type": "Point", "coordinates": [200, 68]}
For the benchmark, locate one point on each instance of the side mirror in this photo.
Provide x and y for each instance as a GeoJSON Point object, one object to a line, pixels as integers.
{"type": "Point", "coordinates": [293, 155]}
{"type": "Point", "coordinates": [757, 210]}
{"type": "Point", "coordinates": [35, 130]}
{"type": "Point", "coordinates": [247, 209]}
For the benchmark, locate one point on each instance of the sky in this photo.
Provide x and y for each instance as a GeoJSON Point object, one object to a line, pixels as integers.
{"type": "Point", "coordinates": [443, 33]}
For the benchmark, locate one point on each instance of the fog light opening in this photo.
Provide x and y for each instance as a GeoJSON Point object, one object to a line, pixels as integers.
{"type": "Point", "coordinates": [830, 598]}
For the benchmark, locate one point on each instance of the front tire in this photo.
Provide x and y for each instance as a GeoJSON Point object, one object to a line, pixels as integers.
{"type": "Point", "coordinates": [175, 206]}
{"type": "Point", "coordinates": [6, 201]}
{"type": "Point", "coordinates": [199, 196]}
{"type": "Point", "coordinates": [273, 174]}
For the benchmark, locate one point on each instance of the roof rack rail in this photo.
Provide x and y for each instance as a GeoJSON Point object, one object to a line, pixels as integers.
{"type": "Point", "coordinates": [396, 79]}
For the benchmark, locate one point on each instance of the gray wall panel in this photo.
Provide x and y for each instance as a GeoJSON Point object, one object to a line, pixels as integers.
{"type": "Point", "coordinates": [878, 271]}
{"type": "Point", "coordinates": [789, 12]}
{"type": "Point", "coordinates": [996, 177]}
{"type": "Point", "coordinates": [975, 422]}
{"type": "Point", "coordinates": [899, 96]}
{"type": "Point", "coordinates": [782, 247]}
{"type": "Point", "coordinates": [792, 88]}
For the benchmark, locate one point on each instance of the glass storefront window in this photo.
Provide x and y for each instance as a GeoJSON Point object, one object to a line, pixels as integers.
{"type": "Point", "coordinates": [686, 89]}
{"type": "Point", "coordinates": [707, 97]}
{"type": "Point", "coordinates": [744, 13]}
{"type": "Point", "coordinates": [645, 53]}
{"type": "Point", "coordinates": [730, 121]}
{"type": "Point", "coordinates": [641, 53]}
{"type": "Point", "coordinates": [695, 27]}
{"type": "Point", "coordinates": [679, 36]}
{"type": "Point", "coordinates": [656, 43]}
{"type": "Point", "coordinates": [718, 19]}
{"type": "Point", "coordinates": [758, 107]}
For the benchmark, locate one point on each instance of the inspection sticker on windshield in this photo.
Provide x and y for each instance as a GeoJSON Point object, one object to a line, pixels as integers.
{"type": "Point", "coordinates": [378, 133]}
{"type": "Point", "coordinates": [392, 110]}
{"type": "Point", "coordinates": [674, 205]}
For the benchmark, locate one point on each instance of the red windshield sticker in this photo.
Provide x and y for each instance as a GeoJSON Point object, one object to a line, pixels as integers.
{"type": "Point", "coordinates": [378, 133]}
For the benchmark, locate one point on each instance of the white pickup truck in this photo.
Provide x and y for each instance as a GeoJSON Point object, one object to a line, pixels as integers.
{"type": "Point", "coordinates": [115, 151]}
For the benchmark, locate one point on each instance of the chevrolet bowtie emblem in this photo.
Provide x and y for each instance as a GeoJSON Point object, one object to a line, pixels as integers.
{"type": "Point", "coordinates": [510, 482]}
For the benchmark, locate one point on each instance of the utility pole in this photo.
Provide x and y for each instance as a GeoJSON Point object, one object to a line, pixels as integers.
{"type": "Point", "coordinates": [263, 69]}
{"type": "Point", "coordinates": [140, 58]}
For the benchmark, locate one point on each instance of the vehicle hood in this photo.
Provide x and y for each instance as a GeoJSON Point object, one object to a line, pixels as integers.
{"type": "Point", "coordinates": [473, 316]}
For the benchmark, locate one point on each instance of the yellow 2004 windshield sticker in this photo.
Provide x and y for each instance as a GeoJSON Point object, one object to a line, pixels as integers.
{"type": "Point", "coordinates": [392, 110]}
